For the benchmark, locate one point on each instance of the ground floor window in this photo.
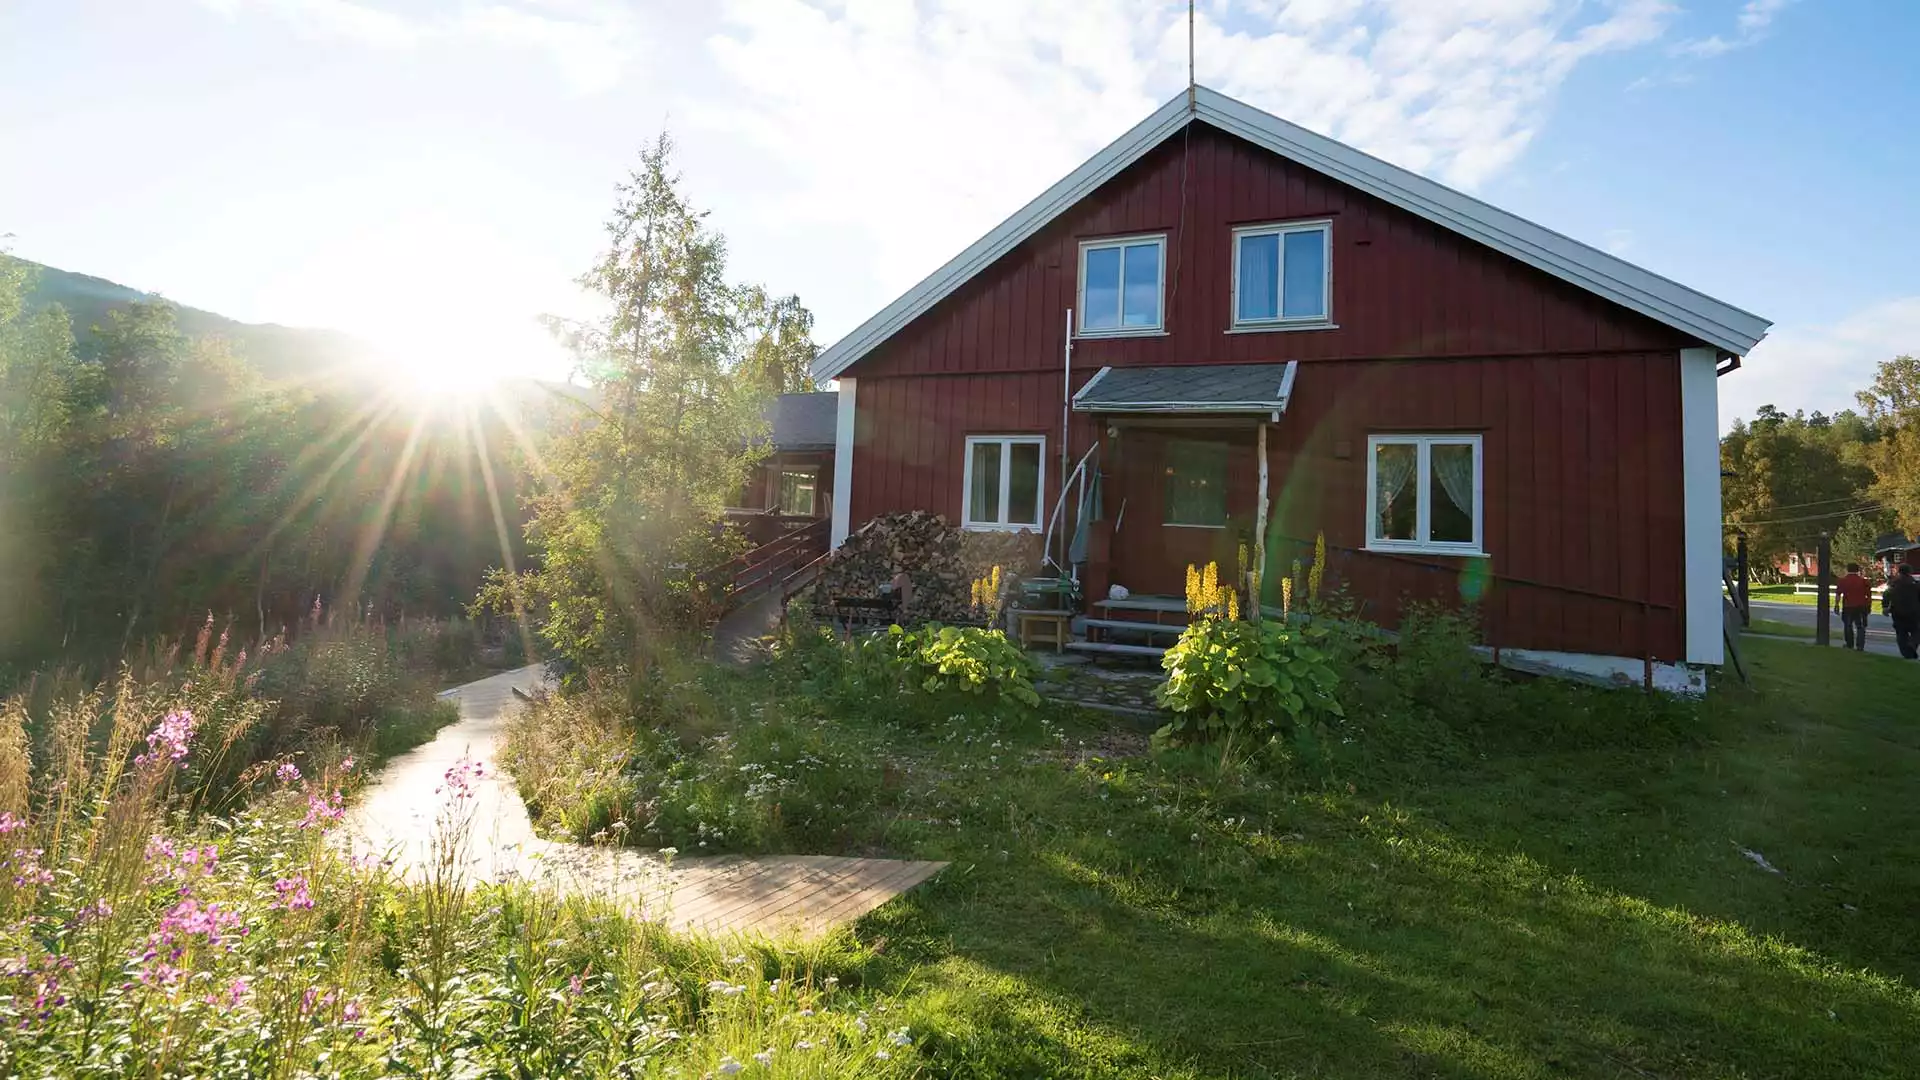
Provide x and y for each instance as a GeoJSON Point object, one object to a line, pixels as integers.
{"type": "Point", "coordinates": [797, 488]}
{"type": "Point", "coordinates": [1003, 482]}
{"type": "Point", "coordinates": [1196, 483]}
{"type": "Point", "coordinates": [1424, 493]}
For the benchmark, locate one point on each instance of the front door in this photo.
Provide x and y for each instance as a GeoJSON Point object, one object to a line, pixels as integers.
{"type": "Point", "coordinates": [1177, 497]}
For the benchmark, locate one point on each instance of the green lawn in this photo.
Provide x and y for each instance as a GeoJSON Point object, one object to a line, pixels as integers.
{"type": "Point", "coordinates": [1566, 892]}
{"type": "Point", "coordinates": [1783, 594]}
{"type": "Point", "coordinates": [1785, 629]}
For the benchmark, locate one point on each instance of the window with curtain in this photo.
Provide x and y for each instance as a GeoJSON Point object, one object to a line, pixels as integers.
{"type": "Point", "coordinates": [1003, 481]}
{"type": "Point", "coordinates": [1121, 284]}
{"type": "Point", "coordinates": [1281, 274]}
{"type": "Point", "coordinates": [1424, 493]}
{"type": "Point", "coordinates": [797, 491]}
{"type": "Point", "coordinates": [1196, 483]}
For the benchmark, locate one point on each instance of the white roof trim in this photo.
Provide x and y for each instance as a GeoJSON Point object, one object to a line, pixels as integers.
{"type": "Point", "coordinates": [1716, 323]}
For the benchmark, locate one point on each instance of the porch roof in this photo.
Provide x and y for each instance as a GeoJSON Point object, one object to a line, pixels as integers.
{"type": "Point", "coordinates": [1190, 388]}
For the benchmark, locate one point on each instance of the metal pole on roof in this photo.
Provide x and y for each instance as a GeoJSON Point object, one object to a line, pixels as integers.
{"type": "Point", "coordinates": [1192, 106]}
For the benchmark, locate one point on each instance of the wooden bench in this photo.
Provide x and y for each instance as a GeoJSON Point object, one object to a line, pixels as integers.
{"type": "Point", "coordinates": [1043, 626]}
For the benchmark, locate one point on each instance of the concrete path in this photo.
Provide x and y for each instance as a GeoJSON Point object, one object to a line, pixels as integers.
{"type": "Point", "coordinates": [402, 812]}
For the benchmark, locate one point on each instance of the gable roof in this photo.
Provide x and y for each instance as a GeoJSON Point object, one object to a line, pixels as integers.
{"type": "Point", "coordinates": [1711, 321]}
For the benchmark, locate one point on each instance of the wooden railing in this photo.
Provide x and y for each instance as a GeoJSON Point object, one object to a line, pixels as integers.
{"type": "Point", "coordinates": [772, 565]}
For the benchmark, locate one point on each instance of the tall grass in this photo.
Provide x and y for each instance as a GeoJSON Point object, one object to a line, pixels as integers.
{"type": "Point", "coordinates": [139, 938]}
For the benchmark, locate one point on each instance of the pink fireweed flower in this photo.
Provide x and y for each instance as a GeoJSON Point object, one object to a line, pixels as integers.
{"type": "Point", "coordinates": [460, 779]}
{"type": "Point", "coordinates": [346, 765]}
{"type": "Point", "coordinates": [287, 772]}
{"type": "Point", "coordinates": [292, 893]}
{"type": "Point", "coordinates": [10, 823]}
{"type": "Point", "coordinates": [168, 740]}
{"type": "Point", "coordinates": [323, 810]}
{"type": "Point", "coordinates": [186, 924]}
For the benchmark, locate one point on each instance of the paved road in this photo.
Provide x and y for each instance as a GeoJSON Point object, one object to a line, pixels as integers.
{"type": "Point", "coordinates": [1879, 627]}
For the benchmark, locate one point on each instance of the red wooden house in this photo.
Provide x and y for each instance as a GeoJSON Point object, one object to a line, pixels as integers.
{"type": "Point", "coordinates": [1242, 331]}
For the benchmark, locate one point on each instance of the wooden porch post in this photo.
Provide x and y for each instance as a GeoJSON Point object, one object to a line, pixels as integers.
{"type": "Point", "coordinates": [1260, 528]}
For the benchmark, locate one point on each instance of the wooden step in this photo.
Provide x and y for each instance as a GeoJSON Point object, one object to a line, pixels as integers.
{"type": "Point", "coordinates": [1145, 603]}
{"type": "Point", "coordinates": [1136, 626]}
{"type": "Point", "coordinates": [1105, 648]}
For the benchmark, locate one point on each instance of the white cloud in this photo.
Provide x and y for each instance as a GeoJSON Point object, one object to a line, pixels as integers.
{"type": "Point", "coordinates": [911, 130]}
{"type": "Point", "coordinates": [590, 41]}
{"type": "Point", "coordinates": [1755, 18]}
{"type": "Point", "coordinates": [1820, 367]}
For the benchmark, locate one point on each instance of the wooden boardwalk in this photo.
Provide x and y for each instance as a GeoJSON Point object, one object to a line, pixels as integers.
{"type": "Point", "coordinates": [775, 896]}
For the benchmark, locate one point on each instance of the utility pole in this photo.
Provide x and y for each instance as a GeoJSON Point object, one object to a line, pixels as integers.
{"type": "Point", "coordinates": [1823, 622]}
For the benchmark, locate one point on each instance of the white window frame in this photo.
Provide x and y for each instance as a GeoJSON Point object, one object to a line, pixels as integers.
{"type": "Point", "coordinates": [780, 476]}
{"type": "Point", "coordinates": [1007, 443]}
{"type": "Point", "coordinates": [1423, 474]}
{"type": "Point", "coordinates": [1282, 322]}
{"type": "Point", "coordinates": [1080, 294]}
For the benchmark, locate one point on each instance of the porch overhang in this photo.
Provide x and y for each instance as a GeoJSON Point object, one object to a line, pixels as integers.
{"type": "Point", "coordinates": [1190, 389]}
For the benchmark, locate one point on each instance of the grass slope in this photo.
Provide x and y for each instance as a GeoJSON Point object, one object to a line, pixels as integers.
{"type": "Point", "coordinates": [1563, 893]}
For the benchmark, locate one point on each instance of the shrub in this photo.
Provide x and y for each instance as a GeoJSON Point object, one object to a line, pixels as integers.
{"type": "Point", "coordinates": [969, 659]}
{"type": "Point", "coordinates": [1240, 680]}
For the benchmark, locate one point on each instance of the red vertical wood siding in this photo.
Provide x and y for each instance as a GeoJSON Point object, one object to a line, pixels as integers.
{"type": "Point", "coordinates": [1578, 400]}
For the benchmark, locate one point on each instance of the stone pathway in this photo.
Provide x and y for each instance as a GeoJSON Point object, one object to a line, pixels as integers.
{"type": "Point", "coordinates": [801, 895]}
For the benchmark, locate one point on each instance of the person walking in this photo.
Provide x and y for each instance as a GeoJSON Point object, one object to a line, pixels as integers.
{"type": "Point", "coordinates": [1856, 603]}
{"type": "Point", "coordinates": [1903, 605]}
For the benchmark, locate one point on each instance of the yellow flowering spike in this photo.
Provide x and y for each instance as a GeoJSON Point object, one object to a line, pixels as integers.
{"type": "Point", "coordinates": [996, 581]}
{"type": "Point", "coordinates": [1210, 579]}
{"type": "Point", "coordinates": [1240, 558]}
{"type": "Point", "coordinates": [1286, 596]}
{"type": "Point", "coordinates": [1319, 571]}
{"type": "Point", "coordinates": [1233, 605]}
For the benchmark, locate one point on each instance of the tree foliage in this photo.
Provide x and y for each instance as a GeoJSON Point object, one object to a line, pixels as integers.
{"type": "Point", "coordinates": [1853, 475]}
{"type": "Point", "coordinates": [682, 367]}
{"type": "Point", "coordinates": [147, 478]}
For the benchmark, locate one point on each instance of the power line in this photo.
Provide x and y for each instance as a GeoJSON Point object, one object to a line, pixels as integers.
{"type": "Point", "coordinates": [1809, 517]}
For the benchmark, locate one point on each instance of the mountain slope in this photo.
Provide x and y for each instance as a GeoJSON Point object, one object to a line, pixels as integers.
{"type": "Point", "coordinates": [278, 352]}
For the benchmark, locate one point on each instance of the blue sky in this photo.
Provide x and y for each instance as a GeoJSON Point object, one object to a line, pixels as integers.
{"type": "Point", "coordinates": [431, 175]}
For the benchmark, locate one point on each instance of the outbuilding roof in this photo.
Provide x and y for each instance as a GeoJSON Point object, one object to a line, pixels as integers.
{"type": "Point", "coordinates": [804, 421]}
{"type": "Point", "coordinates": [1189, 388]}
{"type": "Point", "coordinates": [1711, 321]}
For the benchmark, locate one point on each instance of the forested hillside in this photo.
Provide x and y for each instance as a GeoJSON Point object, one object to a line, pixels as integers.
{"type": "Point", "coordinates": [158, 463]}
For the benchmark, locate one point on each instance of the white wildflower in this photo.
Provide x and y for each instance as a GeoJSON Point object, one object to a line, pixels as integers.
{"type": "Point", "coordinates": [764, 1057]}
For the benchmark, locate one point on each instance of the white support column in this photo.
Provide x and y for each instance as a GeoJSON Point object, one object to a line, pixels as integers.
{"type": "Point", "coordinates": [1700, 497]}
{"type": "Point", "coordinates": [843, 463]}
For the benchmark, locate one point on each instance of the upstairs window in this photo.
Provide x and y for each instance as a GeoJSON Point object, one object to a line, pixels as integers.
{"type": "Point", "coordinates": [1002, 481]}
{"type": "Point", "coordinates": [1281, 274]}
{"type": "Point", "coordinates": [1121, 285]}
{"type": "Point", "coordinates": [1424, 493]}
{"type": "Point", "coordinates": [1196, 483]}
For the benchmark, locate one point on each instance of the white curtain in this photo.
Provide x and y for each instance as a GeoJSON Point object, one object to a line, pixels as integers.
{"type": "Point", "coordinates": [1394, 464]}
{"type": "Point", "coordinates": [1453, 467]}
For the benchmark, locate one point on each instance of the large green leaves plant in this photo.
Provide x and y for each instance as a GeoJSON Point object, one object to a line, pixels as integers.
{"type": "Point", "coordinates": [1231, 680]}
{"type": "Point", "coordinates": [965, 658]}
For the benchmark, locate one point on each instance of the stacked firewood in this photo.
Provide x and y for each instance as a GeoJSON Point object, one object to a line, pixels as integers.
{"type": "Point", "coordinates": [941, 562]}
